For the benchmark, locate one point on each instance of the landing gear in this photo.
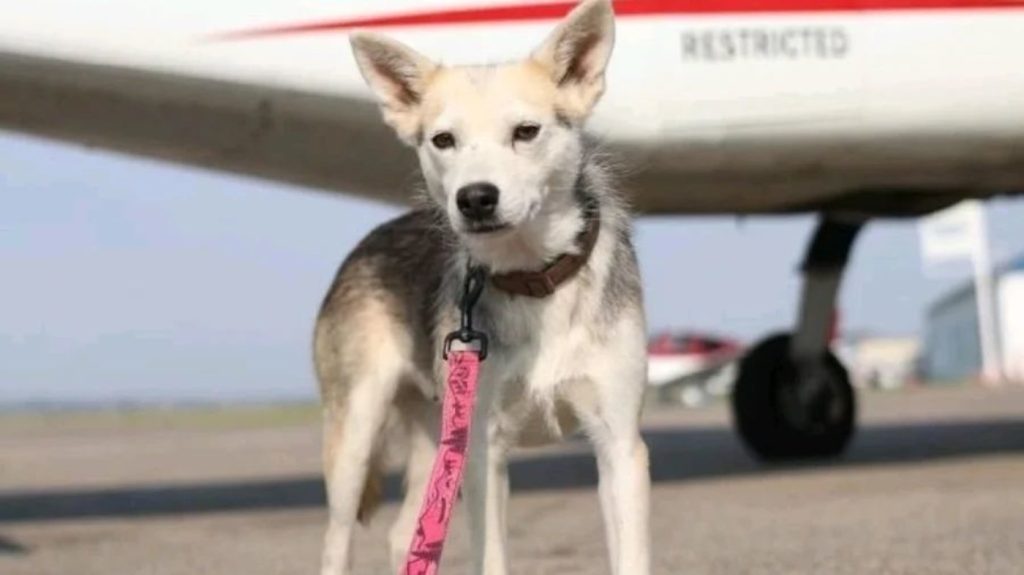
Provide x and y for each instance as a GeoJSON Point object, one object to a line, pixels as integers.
{"type": "Point", "coordinates": [785, 412]}
{"type": "Point", "coordinates": [793, 398]}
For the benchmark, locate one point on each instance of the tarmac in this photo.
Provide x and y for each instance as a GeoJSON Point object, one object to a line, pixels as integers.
{"type": "Point", "coordinates": [933, 484]}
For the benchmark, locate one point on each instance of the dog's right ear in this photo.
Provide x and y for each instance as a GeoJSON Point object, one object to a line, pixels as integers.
{"type": "Point", "coordinates": [398, 75]}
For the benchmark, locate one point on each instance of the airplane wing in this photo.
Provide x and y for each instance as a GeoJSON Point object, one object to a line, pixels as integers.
{"type": "Point", "coordinates": [856, 118]}
{"type": "Point", "coordinates": [317, 140]}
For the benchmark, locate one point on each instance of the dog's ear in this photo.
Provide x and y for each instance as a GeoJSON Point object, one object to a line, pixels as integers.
{"type": "Point", "coordinates": [576, 55]}
{"type": "Point", "coordinates": [398, 75]}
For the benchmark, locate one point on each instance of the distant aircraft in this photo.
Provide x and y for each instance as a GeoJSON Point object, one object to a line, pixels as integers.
{"type": "Point", "coordinates": [853, 109]}
{"type": "Point", "coordinates": [691, 368]}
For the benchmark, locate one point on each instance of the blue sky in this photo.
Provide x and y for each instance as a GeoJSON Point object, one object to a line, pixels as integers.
{"type": "Point", "coordinates": [128, 279]}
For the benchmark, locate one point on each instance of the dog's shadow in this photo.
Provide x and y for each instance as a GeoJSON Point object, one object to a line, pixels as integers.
{"type": "Point", "coordinates": [677, 454]}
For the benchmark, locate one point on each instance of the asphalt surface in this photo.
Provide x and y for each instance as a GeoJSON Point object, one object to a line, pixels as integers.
{"type": "Point", "coordinates": [933, 484]}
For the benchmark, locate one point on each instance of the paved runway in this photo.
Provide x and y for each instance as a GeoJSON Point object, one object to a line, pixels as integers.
{"type": "Point", "coordinates": [934, 484]}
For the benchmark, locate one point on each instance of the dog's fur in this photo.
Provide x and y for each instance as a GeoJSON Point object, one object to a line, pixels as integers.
{"type": "Point", "coordinates": [573, 359]}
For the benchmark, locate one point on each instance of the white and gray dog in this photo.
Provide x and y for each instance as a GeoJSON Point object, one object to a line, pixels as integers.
{"type": "Point", "coordinates": [512, 187]}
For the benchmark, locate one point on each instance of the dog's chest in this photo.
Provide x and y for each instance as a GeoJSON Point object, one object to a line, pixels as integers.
{"type": "Point", "coordinates": [538, 349]}
{"type": "Point", "coordinates": [539, 342]}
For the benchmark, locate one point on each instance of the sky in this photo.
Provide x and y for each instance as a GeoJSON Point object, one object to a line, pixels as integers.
{"type": "Point", "coordinates": [124, 279]}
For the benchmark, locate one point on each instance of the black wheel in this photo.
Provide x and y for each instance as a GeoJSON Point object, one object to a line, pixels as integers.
{"type": "Point", "coordinates": [781, 412]}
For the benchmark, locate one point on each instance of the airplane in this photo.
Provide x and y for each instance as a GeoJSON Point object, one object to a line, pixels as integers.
{"type": "Point", "coordinates": [691, 368]}
{"type": "Point", "coordinates": [850, 109]}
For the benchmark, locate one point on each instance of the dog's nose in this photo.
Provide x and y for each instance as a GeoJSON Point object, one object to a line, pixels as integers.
{"type": "Point", "coordinates": [477, 201]}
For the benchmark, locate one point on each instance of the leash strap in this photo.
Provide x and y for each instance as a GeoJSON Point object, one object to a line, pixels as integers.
{"type": "Point", "coordinates": [457, 414]}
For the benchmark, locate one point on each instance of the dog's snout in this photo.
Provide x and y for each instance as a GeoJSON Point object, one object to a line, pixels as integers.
{"type": "Point", "coordinates": [477, 201]}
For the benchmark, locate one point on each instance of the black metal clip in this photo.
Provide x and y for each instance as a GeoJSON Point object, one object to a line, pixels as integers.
{"type": "Point", "coordinates": [471, 290]}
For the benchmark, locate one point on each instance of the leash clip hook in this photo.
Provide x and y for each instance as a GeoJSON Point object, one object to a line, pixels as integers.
{"type": "Point", "coordinates": [471, 290]}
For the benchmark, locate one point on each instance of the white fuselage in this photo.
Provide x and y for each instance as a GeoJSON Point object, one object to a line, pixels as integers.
{"type": "Point", "coordinates": [737, 110]}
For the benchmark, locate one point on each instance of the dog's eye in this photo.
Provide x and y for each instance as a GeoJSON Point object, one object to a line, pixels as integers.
{"type": "Point", "coordinates": [443, 140]}
{"type": "Point", "coordinates": [525, 132]}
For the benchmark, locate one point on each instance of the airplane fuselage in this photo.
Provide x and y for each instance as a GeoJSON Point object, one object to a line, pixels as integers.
{"type": "Point", "coordinates": [716, 105]}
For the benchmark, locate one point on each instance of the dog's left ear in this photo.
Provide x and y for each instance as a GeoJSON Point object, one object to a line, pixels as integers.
{"type": "Point", "coordinates": [576, 55]}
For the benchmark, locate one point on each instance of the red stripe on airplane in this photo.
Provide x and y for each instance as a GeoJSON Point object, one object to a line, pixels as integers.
{"type": "Point", "coordinates": [555, 10]}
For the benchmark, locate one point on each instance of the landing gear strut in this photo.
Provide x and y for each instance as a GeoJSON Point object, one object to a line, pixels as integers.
{"type": "Point", "coordinates": [793, 398]}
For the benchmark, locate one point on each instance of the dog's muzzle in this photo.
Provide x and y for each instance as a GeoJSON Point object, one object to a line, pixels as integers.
{"type": "Point", "coordinates": [478, 202]}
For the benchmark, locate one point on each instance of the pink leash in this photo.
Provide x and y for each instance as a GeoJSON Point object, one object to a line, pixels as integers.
{"type": "Point", "coordinates": [457, 415]}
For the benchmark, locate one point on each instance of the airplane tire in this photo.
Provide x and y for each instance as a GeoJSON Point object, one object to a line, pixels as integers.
{"type": "Point", "coordinates": [771, 419]}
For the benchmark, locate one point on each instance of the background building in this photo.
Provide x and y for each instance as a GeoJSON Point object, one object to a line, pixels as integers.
{"type": "Point", "coordinates": [882, 362]}
{"type": "Point", "coordinates": [952, 349]}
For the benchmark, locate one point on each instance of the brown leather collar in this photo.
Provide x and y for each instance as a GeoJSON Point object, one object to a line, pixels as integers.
{"type": "Point", "coordinates": [544, 282]}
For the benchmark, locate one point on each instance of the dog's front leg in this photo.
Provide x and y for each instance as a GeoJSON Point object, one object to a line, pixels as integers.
{"type": "Point", "coordinates": [626, 492]}
{"type": "Point", "coordinates": [613, 423]}
{"type": "Point", "coordinates": [486, 491]}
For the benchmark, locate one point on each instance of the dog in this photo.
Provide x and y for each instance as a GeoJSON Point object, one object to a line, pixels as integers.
{"type": "Point", "coordinates": [511, 185]}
